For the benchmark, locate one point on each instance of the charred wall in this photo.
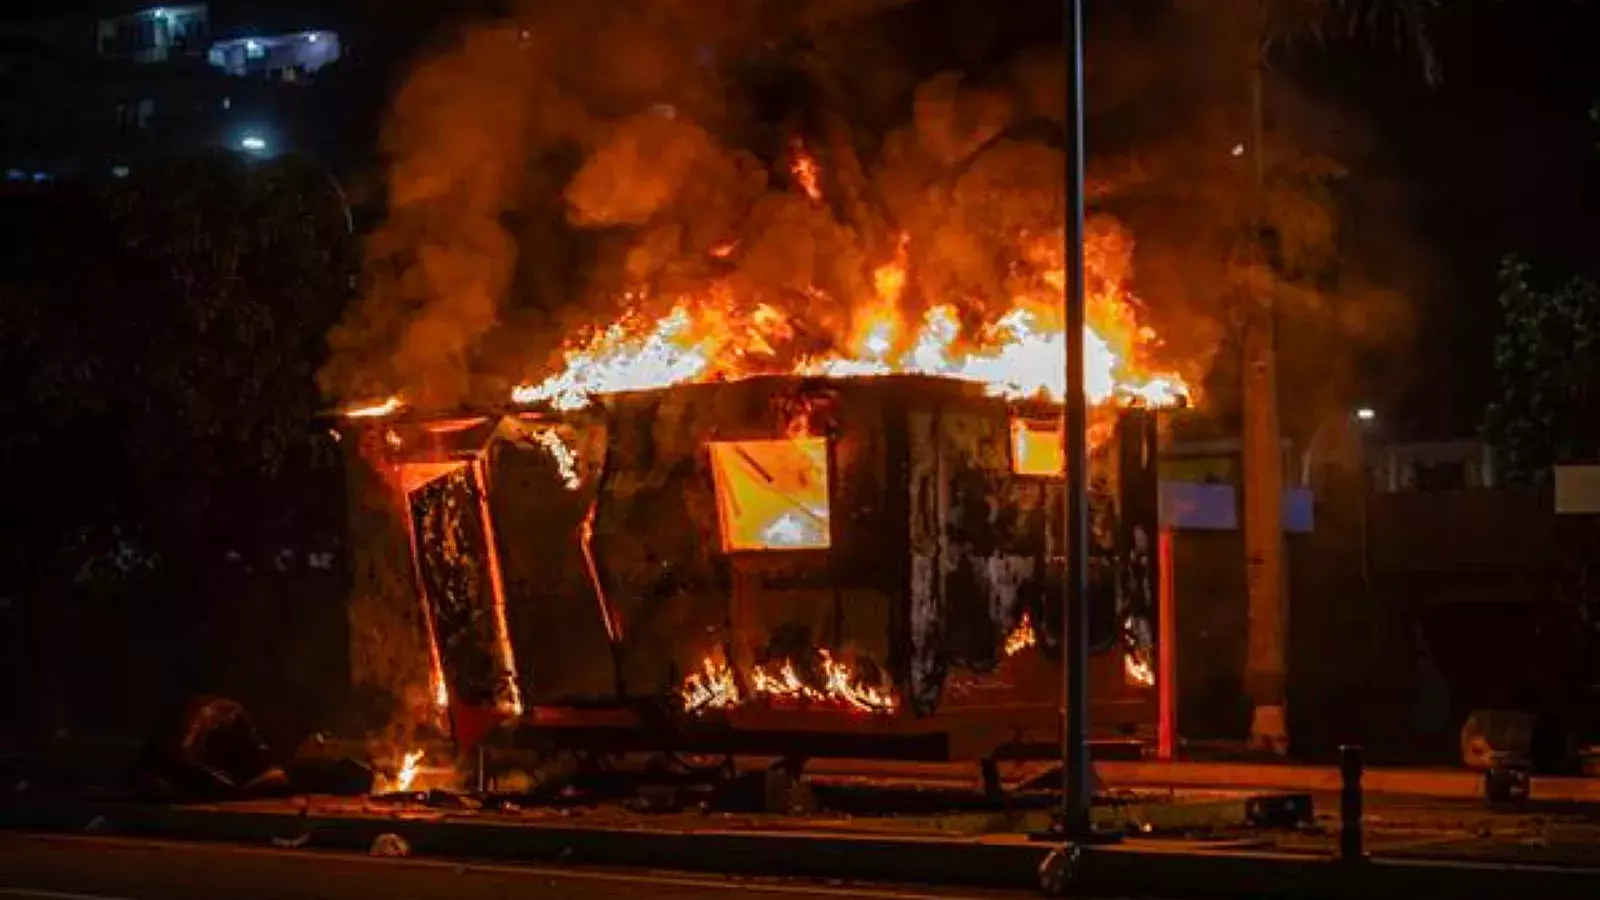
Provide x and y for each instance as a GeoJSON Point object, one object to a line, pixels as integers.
{"type": "Point", "coordinates": [679, 595]}
{"type": "Point", "coordinates": [968, 544]}
{"type": "Point", "coordinates": [617, 584]}
{"type": "Point", "coordinates": [1001, 549]}
{"type": "Point", "coordinates": [455, 568]}
{"type": "Point", "coordinates": [556, 616]}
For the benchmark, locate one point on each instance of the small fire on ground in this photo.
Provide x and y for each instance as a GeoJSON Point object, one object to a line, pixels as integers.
{"type": "Point", "coordinates": [406, 773]}
{"type": "Point", "coordinates": [826, 683]}
{"type": "Point", "coordinates": [1022, 636]}
{"type": "Point", "coordinates": [403, 775]}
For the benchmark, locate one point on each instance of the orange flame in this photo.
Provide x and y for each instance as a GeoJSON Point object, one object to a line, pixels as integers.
{"type": "Point", "coordinates": [624, 357]}
{"type": "Point", "coordinates": [843, 685]}
{"type": "Point", "coordinates": [562, 454]}
{"type": "Point", "coordinates": [785, 683]}
{"type": "Point", "coordinates": [715, 687]}
{"type": "Point", "coordinates": [878, 327]}
{"type": "Point", "coordinates": [377, 410]}
{"type": "Point", "coordinates": [1022, 636]}
{"type": "Point", "coordinates": [1137, 670]}
{"type": "Point", "coordinates": [407, 774]}
{"type": "Point", "coordinates": [1015, 348]}
{"type": "Point", "coordinates": [806, 172]}
{"type": "Point", "coordinates": [1018, 354]}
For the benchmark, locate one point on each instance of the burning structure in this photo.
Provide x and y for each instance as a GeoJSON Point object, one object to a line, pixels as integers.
{"type": "Point", "coordinates": [872, 560]}
{"type": "Point", "coordinates": [775, 521]}
{"type": "Point", "coordinates": [797, 468]}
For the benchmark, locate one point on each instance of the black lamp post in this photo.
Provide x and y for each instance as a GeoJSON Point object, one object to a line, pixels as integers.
{"type": "Point", "coordinates": [1075, 616]}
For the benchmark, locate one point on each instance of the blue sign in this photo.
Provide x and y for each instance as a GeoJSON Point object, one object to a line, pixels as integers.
{"type": "Point", "coordinates": [1192, 506]}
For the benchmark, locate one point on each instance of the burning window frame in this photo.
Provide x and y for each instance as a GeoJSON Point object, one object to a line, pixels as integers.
{"type": "Point", "coordinates": [1038, 428]}
{"type": "Point", "coordinates": [722, 487]}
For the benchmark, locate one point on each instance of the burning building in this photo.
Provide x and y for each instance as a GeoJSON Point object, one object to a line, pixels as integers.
{"type": "Point", "coordinates": [870, 564]}
{"type": "Point", "coordinates": [795, 474]}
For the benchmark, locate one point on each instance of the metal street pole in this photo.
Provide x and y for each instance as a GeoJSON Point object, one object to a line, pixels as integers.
{"type": "Point", "coordinates": [1075, 608]}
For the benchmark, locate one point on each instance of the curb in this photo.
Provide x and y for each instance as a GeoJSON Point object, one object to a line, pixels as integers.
{"type": "Point", "coordinates": [1130, 868]}
{"type": "Point", "coordinates": [1443, 784]}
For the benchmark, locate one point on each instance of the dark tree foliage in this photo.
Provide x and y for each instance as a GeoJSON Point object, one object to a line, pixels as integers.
{"type": "Point", "coordinates": [158, 339]}
{"type": "Point", "coordinates": [1548, 358]}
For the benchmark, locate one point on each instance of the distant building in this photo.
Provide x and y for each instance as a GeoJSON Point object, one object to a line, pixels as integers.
{"type": "Point", "coordinates": [154, 34]}
{"type": "Point", "coordinates": [95, 95]}
{"type": "Point", "coordinates": [1432, 465]}
{"type": "Point", "coordinates": [286, 57]}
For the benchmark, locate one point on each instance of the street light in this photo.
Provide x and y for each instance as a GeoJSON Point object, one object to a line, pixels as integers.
{"type": "Point", "coordinates": [1366, 414]}
{"type": "Point", "coordinates": [253, 143]}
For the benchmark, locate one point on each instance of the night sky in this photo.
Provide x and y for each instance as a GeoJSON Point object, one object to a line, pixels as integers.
{"type": "Point", "coordinates": [1505, 160]}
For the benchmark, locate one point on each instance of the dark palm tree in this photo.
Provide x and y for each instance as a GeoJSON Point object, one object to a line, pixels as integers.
{"type": "Point", "coordinates": [1269, 30]}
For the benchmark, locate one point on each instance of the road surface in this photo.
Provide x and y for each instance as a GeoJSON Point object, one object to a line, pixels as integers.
{"type": "Point", "coordinates": [35, 867]}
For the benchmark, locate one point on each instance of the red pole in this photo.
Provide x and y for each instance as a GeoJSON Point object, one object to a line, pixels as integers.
{"type": "Point", "coordinates": [1166, 650]}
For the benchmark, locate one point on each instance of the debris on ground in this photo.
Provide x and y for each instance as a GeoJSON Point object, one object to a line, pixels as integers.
{"type": "Point", "coordinates": [391, 845]}
{"type": "Point", "coordinates": [209, 750]}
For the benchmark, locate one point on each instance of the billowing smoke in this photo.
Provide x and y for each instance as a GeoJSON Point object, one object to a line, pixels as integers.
{"type": "Point", "coordinates": [574, 161]}
{"type": "Point", "coordinates": [473, 142]}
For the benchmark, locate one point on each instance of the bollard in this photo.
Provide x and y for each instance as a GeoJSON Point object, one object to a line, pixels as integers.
{"type": "Point", "coordinates": [1350, 765]}
{"type": "Point", "coordinates": [1505, 783]}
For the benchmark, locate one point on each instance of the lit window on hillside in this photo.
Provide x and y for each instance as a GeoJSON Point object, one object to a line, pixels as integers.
{"type": "Point", "coordinates": [772, 495]}
{"type": "Point", "coordinates": [1036, 448]}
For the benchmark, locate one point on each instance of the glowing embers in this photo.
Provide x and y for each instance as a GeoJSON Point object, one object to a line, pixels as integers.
{"type": "Point", "coordinates": [772, 495]}
{"type": "Point", "coordinates": [1036, 448]}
